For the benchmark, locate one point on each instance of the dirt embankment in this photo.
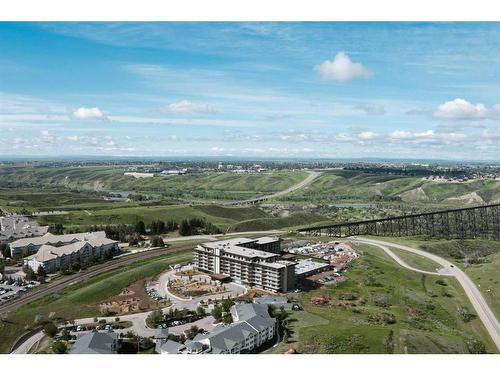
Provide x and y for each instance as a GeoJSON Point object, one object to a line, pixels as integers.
{"type": "Point", "coordinates": [417, 194]}
{"type": "Point", "coordinates": [471, 198]}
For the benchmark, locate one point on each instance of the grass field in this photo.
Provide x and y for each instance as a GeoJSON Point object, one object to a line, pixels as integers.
{"type": "Point", "coordinates": [416, 261]}
{"type": "Point", "coordinates": [79, 301]}
{"type": "Point", "coordinates": [425, 313]}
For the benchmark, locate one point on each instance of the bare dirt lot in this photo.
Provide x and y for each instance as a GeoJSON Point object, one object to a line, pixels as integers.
{"type": "Point", "coordinates": [133, 298]}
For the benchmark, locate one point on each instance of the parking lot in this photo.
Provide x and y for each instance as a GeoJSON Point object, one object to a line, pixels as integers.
{"type": "Point", "coordinates": [13, 289]}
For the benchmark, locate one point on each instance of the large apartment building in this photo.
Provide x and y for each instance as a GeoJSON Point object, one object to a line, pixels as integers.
{"type": "Point", "coordinates": [53, 252]}
{"type": "Point", "coordinates": [245, 261]}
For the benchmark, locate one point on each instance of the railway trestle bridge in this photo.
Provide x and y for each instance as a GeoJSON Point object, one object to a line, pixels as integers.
{"type": "Point", "coordinates": [471, 222]}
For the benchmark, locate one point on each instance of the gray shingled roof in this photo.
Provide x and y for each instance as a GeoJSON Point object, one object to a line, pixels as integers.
{"type": "Point", "coordinates": [95, 343]}
{"type": "Point", "coordinates": [171, 347]}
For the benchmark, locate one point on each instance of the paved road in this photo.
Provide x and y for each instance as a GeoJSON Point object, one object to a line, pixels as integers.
{"type": "Point", "coordinates": [29, 343]}
{"type": "Point", "coordinates": [312, 176]}
{"type": "Point", "coordinates": [215, 237]}
{"type": "Point", "coordinates": [478, 302]}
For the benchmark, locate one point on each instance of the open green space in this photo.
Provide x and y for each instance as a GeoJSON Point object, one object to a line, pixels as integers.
{"type": "Point", "coordinates": [480, 259]}
{"type": "Point", "coordinates": [79, 301]}
{"type": "Point", "coordinates": [206, 185]}
{"type": "Point", "coordinates": [84, 209]}
{"type": "Point", "coordinates": [416, 261]}
{"type": "Point", "coordinates": [353, 186]}
{"type": "Point", "coordinates": [396, 311]}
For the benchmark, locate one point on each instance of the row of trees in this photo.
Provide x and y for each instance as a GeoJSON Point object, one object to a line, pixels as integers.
{"type": "Point", "coordinates": [194, 226]}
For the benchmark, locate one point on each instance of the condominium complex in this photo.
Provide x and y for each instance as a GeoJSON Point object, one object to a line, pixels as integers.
{"type": "Point", "coordinates": [56, 252]}
{"type": "Point", "coordinates": [251, 328]}
{"type": "Point", "coordinates": [245, 261]}
{"type": "Point", "coordinates": [13, 227]}
{"type": "Point", "coordinates": [28, 246]}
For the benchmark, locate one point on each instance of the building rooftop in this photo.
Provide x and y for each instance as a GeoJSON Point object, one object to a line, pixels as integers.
{"type": "Point", "coordinates": [267, 239]}
{"type": "Point", "coordinates": [95, 343]}
{"type": "Point", "coordinates": [171, 347]}
{"type": "Point", "coordinates": [308, 265]}
{"type": "Point", "coordinates": [52, 239]}
{"type": "Point", "coordinates": [248, 319]}
{"type": "Point", "coordinates": [15, 226]}
{"type": "Point", "coordinates": [247, 253]}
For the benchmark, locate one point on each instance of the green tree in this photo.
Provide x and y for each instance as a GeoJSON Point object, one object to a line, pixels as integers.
{"type": "Point", "coordinates": [66, 336]}
{"type": "Point", "coordinates": [50, 329]}
{"type": "Point", "coordinates": [191, 332]}
{"type": "Point", "coordinates": [30, 274]}
{"type": "Point", "coordinates": [185, 228]}
{"type": "Point", "coordinates": [140, 227]}
{"type": "Point", "coordinates": [157, 241]}
{"type": "Point", "coordinates": [226, 305]}
{"type": "Point", "coordinates": [41, 272]}
{"type": "Point", "coordinates": [200, 310]}
{"type": "Point", "coordinates": [5, 250]}
{"type": "Point", "coordinates": [227, 318]}
{"type": "Point", "coordinates": [217, 313]}
{"type": "Point", "coordinates": [154, 318]}
{"type": "Point", "coordinates": [59, 347]}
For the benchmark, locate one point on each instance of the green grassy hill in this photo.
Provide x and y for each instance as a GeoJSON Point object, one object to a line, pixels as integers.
{"type": "Point", "coordinates": [210, 185]}
{"type": "Point", "coordinates": [396, 311]}
{"type": "Point", "coordinates": [353, 186]}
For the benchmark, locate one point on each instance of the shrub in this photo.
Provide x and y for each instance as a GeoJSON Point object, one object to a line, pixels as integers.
{"type": "Point", "coordinates": [465, 315]}
{"type": "Point", "coordinates": [381, 300]}
{"type": "Point", "coordinates": [475, 346]}
{"type": "Point", "coordinates": [59, 347]}
{"type": "Point", "coordinates": [50, 329]}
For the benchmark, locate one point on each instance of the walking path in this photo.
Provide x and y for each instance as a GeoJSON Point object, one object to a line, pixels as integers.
{"type": "Point", "coordinates": [25, 347]}
{"type": "Point", "coordinates": [448, 269]}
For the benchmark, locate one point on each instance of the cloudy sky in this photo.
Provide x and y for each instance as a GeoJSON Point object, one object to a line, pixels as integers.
{"type": "Point", "coordinates": [339, 90]}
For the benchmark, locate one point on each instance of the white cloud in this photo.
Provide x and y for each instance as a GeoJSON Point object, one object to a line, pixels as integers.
{"type": "Point", "coordinates": [93, 113]}
{"type": "Point", "coordinates": [400, 134]}
{"type": "Point", "coordinates": [185, 106]}
{"type": "Point", "coordinates": [461, 109]}
{"type": "Point", "coordinates": [494, 112]}
{"type": "Point", "coordinates": [371, 109]}
{"type": "Point", "coordinates": [341, 69]}
{"type": "Point", "coordinates": [367, 135]}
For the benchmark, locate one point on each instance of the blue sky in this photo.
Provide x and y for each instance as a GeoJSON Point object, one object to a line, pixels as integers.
{"type": "Point", "coordinates": [340, 90]}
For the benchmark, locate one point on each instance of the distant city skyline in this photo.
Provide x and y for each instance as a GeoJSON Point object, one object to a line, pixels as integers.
{"type": "Point", "coordinates": [250, 90]}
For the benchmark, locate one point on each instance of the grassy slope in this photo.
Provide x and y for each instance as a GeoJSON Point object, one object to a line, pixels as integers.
{"type": "Point", "coordinates": [296, 219]}
{"type": "Point", "coordinates": [210, 185]}
{"type": "Point", "coordinates": [485, 274]}
{"type": "Point", "coordinates": [415, 260]}
{"type": "Point", "coordinates": [351, 186]}
{"type": "Point", "coordinates": [76, 301]}
{"type": "Point", "coordinates": [438, 329]}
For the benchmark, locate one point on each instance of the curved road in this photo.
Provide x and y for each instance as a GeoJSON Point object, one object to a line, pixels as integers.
{"type": "Point", "coordinates": [312, 176]}
{"type": "Point", "coordinates": [478, 302]}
